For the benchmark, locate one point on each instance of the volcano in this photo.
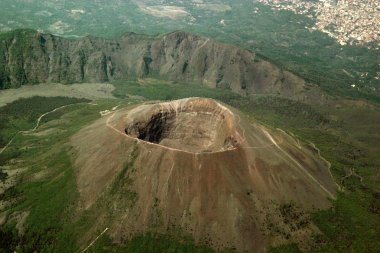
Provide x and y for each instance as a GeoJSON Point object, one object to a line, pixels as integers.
{"type": "Point", "coordinates": [202, 168]}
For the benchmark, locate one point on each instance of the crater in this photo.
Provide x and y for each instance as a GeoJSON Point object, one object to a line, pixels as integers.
{"type": "Point", "coordinates": [194, 125]}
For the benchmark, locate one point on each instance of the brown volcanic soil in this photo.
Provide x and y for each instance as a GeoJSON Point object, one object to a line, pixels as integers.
{"type": "Point", "coordinates": [196, 166]}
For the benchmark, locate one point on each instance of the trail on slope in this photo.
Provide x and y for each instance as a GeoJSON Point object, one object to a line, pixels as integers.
{"type": "Point", "coordinates": [298, 165]}
{"type": "Point", "coordinates": [92, 243]}
{"type": "Point", "coordinates": [352, 173]}
{"type": "Point", "coordinates": [42, 116]}
{"type": "Point", "coordinates": [204, 44]}
{"type": "Point", "coordinates": [37, 124]}
{"type": "Point", "coordinates": [6, 146]}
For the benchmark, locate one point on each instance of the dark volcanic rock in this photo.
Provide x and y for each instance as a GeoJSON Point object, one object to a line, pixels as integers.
{"type": "Point", "coordinates": [30, 57]}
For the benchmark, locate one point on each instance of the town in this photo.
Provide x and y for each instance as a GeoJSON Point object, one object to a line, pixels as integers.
{"type": "Point", "coordinates": [347, 21]}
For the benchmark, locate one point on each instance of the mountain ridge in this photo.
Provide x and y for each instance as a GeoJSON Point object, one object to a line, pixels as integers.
{"type": "Point", "coordinates": [28, 57]}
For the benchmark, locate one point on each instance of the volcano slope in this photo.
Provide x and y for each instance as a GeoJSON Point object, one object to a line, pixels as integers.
{"type": "Point", "coordinates": [201, 168]}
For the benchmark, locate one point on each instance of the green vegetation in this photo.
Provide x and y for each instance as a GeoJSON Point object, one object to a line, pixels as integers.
{"type": "Point", "coordinates": [121, 179]}
{"type": "Point", "coordinates": [50, 199]}
{"type": "Point", "coordinates": [153, 89]}
{"type": "Point", "coordinates": [121, 186]}
{"type": "Point", "coordinates": [150, 243]}
{"type": "Point", "coordinates": [8, 239]}
{"type": "Point", "coordinates": [260, 106]}
{"type": "Point", "coordinates": [18, 53]}
{"type": "Point", "coordinates": [291, 248]}
{"type": "Point", "coordinates": [352, 224]}
{"type": "Point", "coordinates": [3, 175]}
{"type": "Point", "coordinates": [10, 154]}
{"type": "Point", "coordinates": [22, 114]}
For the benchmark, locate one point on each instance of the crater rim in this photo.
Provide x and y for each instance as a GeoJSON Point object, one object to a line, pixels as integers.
{"type": "Point", "coordinates": [193, 125]}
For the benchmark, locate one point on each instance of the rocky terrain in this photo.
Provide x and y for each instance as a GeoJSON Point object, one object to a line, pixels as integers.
{"type": "Point", "coordinates": [28, 57]}
{"type": "Point", "coordinates": [237, 184]}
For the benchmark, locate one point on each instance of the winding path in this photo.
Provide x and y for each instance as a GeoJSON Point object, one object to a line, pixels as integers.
{"type": "Point", "coordinates": [37, 124]}
{"type": "Point", "coordinates": [6, 146]}
{"type": "Point", "coordinates": [42, 116]}
{"type": "Point", "coordinates": [352, 173]}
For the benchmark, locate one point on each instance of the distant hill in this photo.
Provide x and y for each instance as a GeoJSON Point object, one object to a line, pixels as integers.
{"type": "Point", "coordinates": [28, 57]}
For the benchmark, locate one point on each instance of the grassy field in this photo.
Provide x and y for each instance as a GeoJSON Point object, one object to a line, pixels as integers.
{"type": "Point", "coordinates": [23, 114]}
{"type": "Point", "coordinates": [45, 191]}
